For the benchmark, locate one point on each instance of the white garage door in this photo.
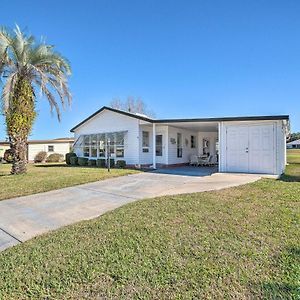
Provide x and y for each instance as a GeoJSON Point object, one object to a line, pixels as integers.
{"type": "Point", "coordinates": [250, 148]}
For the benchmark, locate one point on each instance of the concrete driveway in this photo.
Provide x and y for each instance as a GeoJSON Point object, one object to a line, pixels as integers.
{"type": "Point", "coordinates": [25, 217]}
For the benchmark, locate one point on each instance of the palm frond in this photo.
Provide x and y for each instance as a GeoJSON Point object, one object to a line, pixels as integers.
{"type": "Point", "coordinates": [8, 91]}
{"type": "Point", "coordinates": [40, 64]}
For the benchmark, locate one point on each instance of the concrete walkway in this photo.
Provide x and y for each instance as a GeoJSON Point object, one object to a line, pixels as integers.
{"type": "Point", "coordinates": [25, 217]}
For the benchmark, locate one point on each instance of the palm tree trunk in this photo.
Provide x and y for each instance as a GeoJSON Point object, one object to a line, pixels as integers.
{"type": "Point", "coordinates": [19, 148]}
{"type": "Point", "coordinates": [19, 121]}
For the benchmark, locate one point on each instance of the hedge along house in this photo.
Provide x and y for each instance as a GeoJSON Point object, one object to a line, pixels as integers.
{"type": "Point", "coordinates": [242, 144]}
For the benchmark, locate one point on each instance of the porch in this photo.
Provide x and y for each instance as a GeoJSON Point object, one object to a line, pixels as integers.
{"type": "Point", "coordinates": [173, 144]}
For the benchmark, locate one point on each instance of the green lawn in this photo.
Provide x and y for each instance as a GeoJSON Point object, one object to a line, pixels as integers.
{"type": "Point", "coordinates": [46, 177]}
{"type": "Point", "coordinates": [293, 155]}
{"type": "Point", "coordinates": [237, 243]}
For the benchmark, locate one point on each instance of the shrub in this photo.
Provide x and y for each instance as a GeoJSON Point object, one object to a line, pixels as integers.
{"type": "Point", "coordinates": [83, 161]}
{"type": "Point", "coordinates": [101, 163]}
{"type": "Point", "coordinates": [8, 156]}
{"type": "Point", "coordinates": [121, 164]}
{"type": "Point", "coordinates": [74, 160]}
{"type": "Point", "coordinates": [40, 157]}
{"type": "Point", "coordinates": [68, 156]}
{"type": "Point", "coordinates": [92, 162]}
{"type": "Point", "coordinates": [55, 157]}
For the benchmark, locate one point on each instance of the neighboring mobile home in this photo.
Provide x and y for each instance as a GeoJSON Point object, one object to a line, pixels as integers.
{"type": "Point", "coordinates": [3, 147]}
{"type": "Point", "coordinates": [60, 146]}
{"type": "Point", "coordinates": [293, 145]}
{"type": "Point", "coordinates": [242, 144]}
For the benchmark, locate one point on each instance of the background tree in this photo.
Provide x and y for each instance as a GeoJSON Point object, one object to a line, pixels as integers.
{"type": "Point", "coordinates": [25, 68]}
{"type": "Point", "coordinates": [294, 136]}
{"type": "Point", "coordinates": [133, 105]}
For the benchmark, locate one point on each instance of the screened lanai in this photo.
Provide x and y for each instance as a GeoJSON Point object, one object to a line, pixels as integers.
{"type": "Point", "coordinates": [98, 145]}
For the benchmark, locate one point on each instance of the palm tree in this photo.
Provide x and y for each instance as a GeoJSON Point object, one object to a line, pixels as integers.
{"type": "Point", "coordinates": [27, 67]}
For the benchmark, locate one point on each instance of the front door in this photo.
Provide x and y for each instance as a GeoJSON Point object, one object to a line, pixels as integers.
{"type": "Point", "coordinates": [237, 149]}
{"type": "Point", "coordinates": [261, 149]}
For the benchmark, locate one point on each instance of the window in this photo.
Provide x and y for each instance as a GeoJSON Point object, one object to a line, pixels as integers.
{"type": "Point", "coordinates": [50, 148]}
{"type": "Point", "coordinates": [93, 145]}
{"type": "Point", "coordinates": [101, 145]}
{"type": "Point", "coordinates": [119, 144]}
{"type": "Point", "coordinates": [145, 142]}
{"type": "Point", "coordinates": [179, 145]}
{"type": "Point", "coordinates": [159, 145]}
{"type": "Point", "coordinates": [111, 142]}
{"type": "Point", "coordinates": [193, 141]}
{"type": "Point", "coordinates": [86, 146]}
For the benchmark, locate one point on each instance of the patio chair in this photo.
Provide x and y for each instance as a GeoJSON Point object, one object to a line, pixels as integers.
{"type": "Point", "coordinates": [204, 161]}
{"type": "Point", "coordinates": [194, 161]}
{"type": "Point", "coordinates": [213, 160]}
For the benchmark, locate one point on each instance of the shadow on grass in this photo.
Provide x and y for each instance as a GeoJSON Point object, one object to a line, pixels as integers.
{"type": "Point", "coordinates": [281, 291]}
{"type": "Point", "coordinates": [66, 166]}
{"type": "Point", "coordinates": [292, 173]}
{"type": "Point", "coordinates": [53, 166]}
{"type": "Point", "coordinates": [290, 178]}
{"type": "Point", "coordinates": [289, 288]}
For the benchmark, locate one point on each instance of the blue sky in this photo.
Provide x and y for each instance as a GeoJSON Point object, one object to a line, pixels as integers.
{"type": "Point", "coordinates": [183, 58]}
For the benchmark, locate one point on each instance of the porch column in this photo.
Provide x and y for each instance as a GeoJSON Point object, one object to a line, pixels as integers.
{"type": "Point", "coordinates": [154, 146]}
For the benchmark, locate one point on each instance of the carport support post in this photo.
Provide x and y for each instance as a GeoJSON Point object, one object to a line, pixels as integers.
{"type": "Point", "coordinates": [154, 146]}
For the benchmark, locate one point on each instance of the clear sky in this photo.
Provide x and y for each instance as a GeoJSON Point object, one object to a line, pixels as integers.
{"type": "Point", "coordinates": [184, 58]}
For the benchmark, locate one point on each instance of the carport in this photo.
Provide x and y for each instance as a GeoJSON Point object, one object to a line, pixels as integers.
{"type": "Point", "coordinates": [241, 144]}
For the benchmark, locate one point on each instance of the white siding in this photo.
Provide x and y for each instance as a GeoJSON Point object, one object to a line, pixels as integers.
{"type": "Point", "coordinates": [108, 121]}
{"type": "Point", "coordinates": [60, 148]}
{"type": "Point", "coordinates": [279, 143]}
{"type": "Point", "coordinates": [187, 151]}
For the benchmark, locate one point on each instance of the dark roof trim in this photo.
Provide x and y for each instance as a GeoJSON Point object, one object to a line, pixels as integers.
{"type": "Point", "coordinates": [128, 114]}
{"type": "Point", "coordinates": [224, 119]}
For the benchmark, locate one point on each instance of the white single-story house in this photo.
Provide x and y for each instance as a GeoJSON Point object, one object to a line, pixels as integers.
{"type": "Point", "coordinates": [242, 144]}
{"type": "Point", "coordinates": [293, 145]}
{"type": "Point", "coordinates": [60, 146]}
